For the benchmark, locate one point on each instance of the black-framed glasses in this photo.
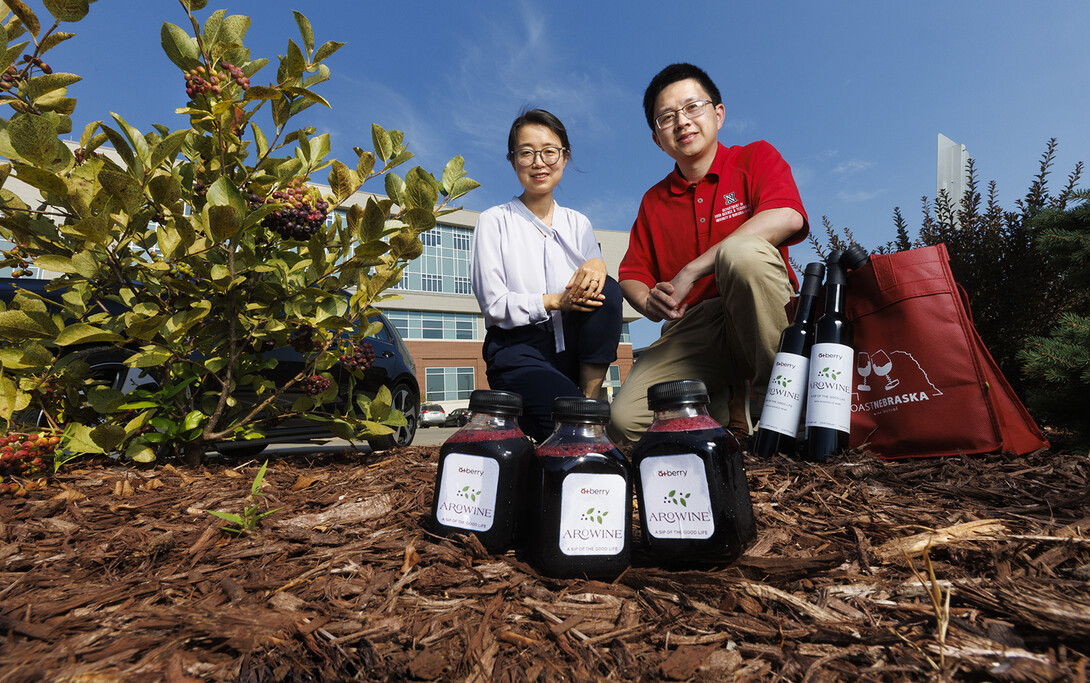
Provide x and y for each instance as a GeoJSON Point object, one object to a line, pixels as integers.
{"type": "Point", "coordinates": [693, 110]}
{"type": "Point", "coordinates": [549, 155]}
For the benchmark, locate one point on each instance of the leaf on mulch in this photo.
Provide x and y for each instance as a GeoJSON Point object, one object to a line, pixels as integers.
{"type": "Point", "coordinates": [305, 481]}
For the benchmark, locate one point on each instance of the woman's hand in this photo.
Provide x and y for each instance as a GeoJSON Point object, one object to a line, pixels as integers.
{"type": "Point", "coordinates": [586, 283]}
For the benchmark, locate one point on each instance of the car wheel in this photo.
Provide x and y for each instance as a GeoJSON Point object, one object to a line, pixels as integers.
{"type": "Point", "coordinates": [240, 449]}
{"type": "Point", "coordinates": [406, 400]}
{"type": "Point", "coordinates": [108, 366]}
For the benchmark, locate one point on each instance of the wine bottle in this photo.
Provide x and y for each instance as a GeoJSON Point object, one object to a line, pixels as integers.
{"type": "Point", "coordinates": [786, 394]}
{"type": "Point", "coordinates": [829, 391]}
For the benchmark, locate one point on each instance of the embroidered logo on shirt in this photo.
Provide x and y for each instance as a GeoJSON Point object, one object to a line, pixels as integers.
{"type": "Point", "coordinates": [732, 208]}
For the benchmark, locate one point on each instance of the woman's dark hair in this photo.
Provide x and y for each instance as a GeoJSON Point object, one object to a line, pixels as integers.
{"type": "Point", "coordinates": [541, 118]}
{"type": "Point", "coordinates": [673, 74]}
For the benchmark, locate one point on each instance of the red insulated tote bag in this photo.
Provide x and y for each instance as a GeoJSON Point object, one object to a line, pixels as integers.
{"type": "Point", "coordinates": [924, 383]}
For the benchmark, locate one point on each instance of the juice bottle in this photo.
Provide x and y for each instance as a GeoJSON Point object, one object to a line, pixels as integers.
{"type": "Point", "coordinates": [483, 467]}
{"type": "Point", "coordinates": [691, 484]}
{"type": "Point", "coordinates": [581, 492]}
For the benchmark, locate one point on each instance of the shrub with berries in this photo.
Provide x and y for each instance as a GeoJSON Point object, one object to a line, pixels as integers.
{"type": "Point", "coordinates": [359, 358]}
{"type": "Point", "coordinates": [188, 250]}
{"type": "Point", "coordinates": [301, 211]}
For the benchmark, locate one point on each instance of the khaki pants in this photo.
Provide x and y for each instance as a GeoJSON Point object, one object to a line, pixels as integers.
{"type": "Point", "coordinates": [725, 341]}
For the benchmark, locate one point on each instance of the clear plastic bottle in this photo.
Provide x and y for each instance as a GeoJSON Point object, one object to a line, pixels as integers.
{"type": "Point", "coordinates": [581, 496]}
{"type": "Point", "coordinates": [693, 496]}
{"type": "Point", "coordinates": [483, 469]}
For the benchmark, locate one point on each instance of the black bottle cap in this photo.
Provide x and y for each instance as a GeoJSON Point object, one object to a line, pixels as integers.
{"type": "Point", "coordinates": [578, 409]}
{"type": "Point", "coordinates": [499, 402]}
{"type": "Point", "coordinates": [676, 392]}
{"type": "Point", "coordinates": [854, 257]}
{"type": "Point", "coordinates": [834, 257]}
{"type": "Point", "coordinates": [811, 278]}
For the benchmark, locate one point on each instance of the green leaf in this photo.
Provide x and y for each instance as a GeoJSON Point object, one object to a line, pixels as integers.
{"type": "Point", "coordinates": [420, 192]}
{"type": "Point", "coordinates": [294, 62]}
{"type": "Point", "coordinates": [327, 48]}
{"type": "Point", "coordinates": [84, 333]}
{"type": "Point", "coordinates": [365, 165]}
{"type": "Point", "coordinates": [343, 181]}
{"type": "Point", "coordinates": [34, 138]}
{"type": "Point", "coordinates": [11, 399]}
{"type": "Point", "coordinates": [80, 440]}
{"type": "Point", "coordinates": [193, 420]}
{"type": "Point", "coordinates": [305, 31]}
{"type": "Point", "coordinates": [124, 187]}
{"type": "Point", "coordinates": [107, 436]}
{"type": "Point", "coordinates": [453, 171]}
{"type": "Point", "coordinates": [262, 92]}
{"type": "Point", "coordinates": [139, 144]}
{"type": "Point", "coordinates": [43, 180]}
{"type": "Point", "coordinates": [384, 147]}
{"type": "Point", "coordinates": [229, 516]}
{"type": "Point", "coordinates": [194, 5]}
{"type": "Point", "coordinates": [223, 222]}
{"type": "Point", "coordinates": [25, 15]}
{"type": "Point", "coordinates": [223, 192]}
{"type": "Point", "coordinates": [463, 186]}
{"type": "Point", "coordinates": [179, 46]}
{"type": "Point", "coordinates": [67, 10]}
{"type": "Point", "coordinates": [148, 358]}
{"type": "Point", "coordinates": [26, 325]}
{"type": "Point", "coordinates": [38, 86]}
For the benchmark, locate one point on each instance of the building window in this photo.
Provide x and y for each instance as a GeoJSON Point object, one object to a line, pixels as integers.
{"type": "Point", "coordinates": [448, 384]}
{"type": "Point", "coordinates": [626, 338]}
{"type": "Point", "coordinates": [445, 264]}
{"type": "Point", "coordinates": [433, 325]}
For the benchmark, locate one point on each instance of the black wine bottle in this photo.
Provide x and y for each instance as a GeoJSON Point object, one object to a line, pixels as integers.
{"type": "Point", "coordinates": [786, 394]}
{"type": "Point", "coordinates": [829, 391]}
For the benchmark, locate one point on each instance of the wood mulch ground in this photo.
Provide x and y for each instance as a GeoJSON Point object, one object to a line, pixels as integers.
{"type": "Point", "coordinates": [960, 569]}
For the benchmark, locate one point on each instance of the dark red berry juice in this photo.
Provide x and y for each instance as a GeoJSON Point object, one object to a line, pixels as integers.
{"type": "Point", "coordinates": [481, 483]}
{"type": "Point", "coordinates": [693, 496]}
{"type": "Point", "coordinates": [581, 509]}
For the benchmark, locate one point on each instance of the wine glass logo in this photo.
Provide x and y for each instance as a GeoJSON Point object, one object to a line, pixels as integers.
{"type": "Point", "coordinates": [882, 365]}
{"type": "Point", "coordinates": [863, 365]}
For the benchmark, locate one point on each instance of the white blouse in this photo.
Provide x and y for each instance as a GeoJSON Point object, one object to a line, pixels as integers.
{"type": "Point", "coordinates": [517, 259]}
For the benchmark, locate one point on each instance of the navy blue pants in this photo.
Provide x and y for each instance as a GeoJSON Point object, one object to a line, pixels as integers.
{"type": "Point", "coordinates": [524, 359]}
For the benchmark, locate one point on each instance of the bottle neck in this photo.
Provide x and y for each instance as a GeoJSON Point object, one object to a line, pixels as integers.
{"type": "Point", "coordinates": [492, 421]}
{"type": "Point", "coordinates": [834, 297]}
{"type": "Point", "coordinates": [677, 412]}
{"type": "Point", "coordinates": [804, 314]}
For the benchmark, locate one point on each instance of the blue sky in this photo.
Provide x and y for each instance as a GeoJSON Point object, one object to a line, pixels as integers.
{"type": "Point", "coordinates": [853, 94]}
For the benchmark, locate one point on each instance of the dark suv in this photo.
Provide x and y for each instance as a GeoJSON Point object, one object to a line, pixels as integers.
{"type": "Point", "coordinates": [393, 368]}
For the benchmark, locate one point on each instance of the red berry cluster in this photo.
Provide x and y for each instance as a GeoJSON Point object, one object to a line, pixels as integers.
{"type": "Point", "coordinates": [22, 453]}
{"type": "Point", "coordinates": [203, 81]}
{"type": "Point", "coordinates": [21, 267]}
{"type": "Point", "coordinates": [302, 212]}
{"type": "Point", "coordinates": [361, 357]}
{"type": "Point", "coordinates": [315, 384]}
{"type": "Point", "coordinates": [303, 340]}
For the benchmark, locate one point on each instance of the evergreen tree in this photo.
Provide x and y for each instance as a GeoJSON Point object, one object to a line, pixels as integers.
{"type": "Point", "coordinates": [1057, 366]}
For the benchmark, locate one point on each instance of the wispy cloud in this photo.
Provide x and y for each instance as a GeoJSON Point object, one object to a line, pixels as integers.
{"type": "Point", "coordinates": [852, 166]}
{"type": "Point", "coordinates": [856, 196]}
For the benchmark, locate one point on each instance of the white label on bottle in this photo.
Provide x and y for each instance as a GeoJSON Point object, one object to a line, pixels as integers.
{"type": "Point", "coordinates": [467, 492]}
{"type": "Point", "coordinates": [676, 500]}
{"type": "Point", "coordinates": [786, 394]}
{"type": "Point", "coordinates": [829, 394]}
{"type": "Point", "coordinates": [592, 514]}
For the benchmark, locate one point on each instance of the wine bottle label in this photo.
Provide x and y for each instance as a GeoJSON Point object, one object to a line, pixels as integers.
{"type": "Point", "coordinates": [829, 394]}
{"type": "Point", "coordinates": [467, 492]}
{"type": "Point", "coordinates": [592, 514]}
{"type": "Point", "coordinates": [786, 394]}
{"type": "Point", "coordinates": [676, 500]}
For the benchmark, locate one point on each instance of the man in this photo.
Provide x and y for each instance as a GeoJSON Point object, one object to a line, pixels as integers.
{"type": "Point", "coordinates": [708, 254]}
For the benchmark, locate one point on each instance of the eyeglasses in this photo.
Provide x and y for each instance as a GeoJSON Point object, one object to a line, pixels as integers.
{"type": "Point", "coordinates": [693, 110]}
{"type": "Point", "coordinates": [549, 155]}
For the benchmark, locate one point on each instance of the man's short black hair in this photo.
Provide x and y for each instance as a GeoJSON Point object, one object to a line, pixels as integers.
{"type": "Point", "coordinates": [673, 74]}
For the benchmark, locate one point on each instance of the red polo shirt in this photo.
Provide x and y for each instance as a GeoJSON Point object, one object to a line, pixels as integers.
{"type": "Point", "coordinates": [679, 220]}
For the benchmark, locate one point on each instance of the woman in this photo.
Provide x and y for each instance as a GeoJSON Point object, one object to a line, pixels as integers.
{"type": "Point", "coordinates": [553, 315]}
